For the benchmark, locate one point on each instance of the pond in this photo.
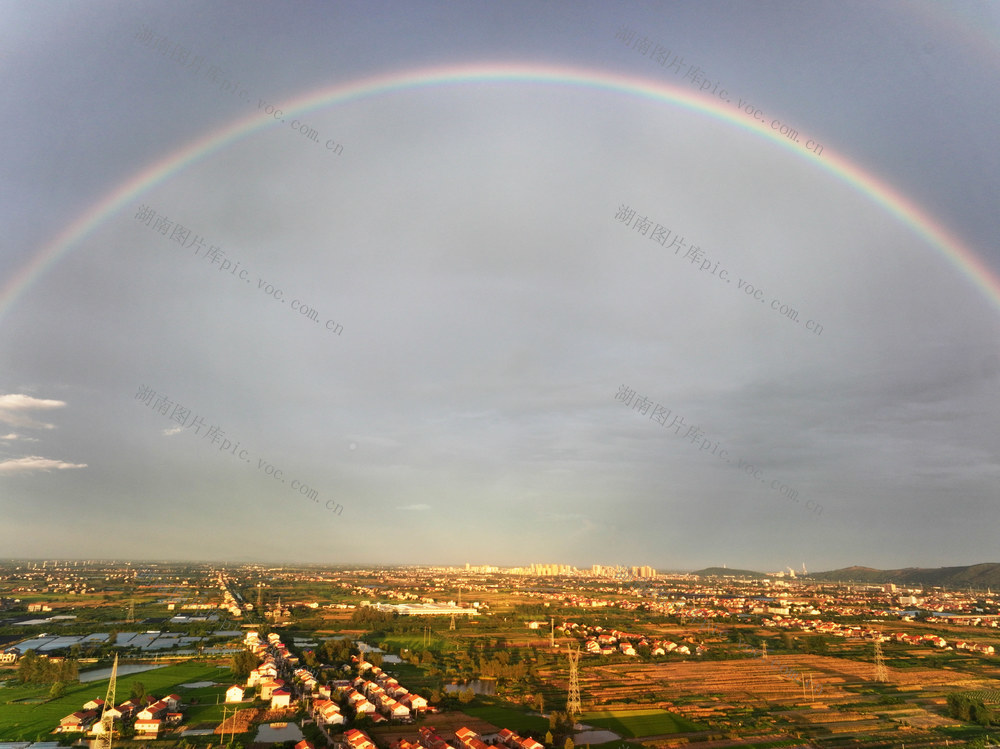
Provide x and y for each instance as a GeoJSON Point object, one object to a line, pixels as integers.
{"type": "Point", "coordinates": [484, 687]}
{"type": "Point", "coordinates": [272, 733]}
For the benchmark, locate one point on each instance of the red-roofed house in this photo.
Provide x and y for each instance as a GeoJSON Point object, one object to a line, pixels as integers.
{"type": "Point", "coordinates": [280, 698]}
{"type": "Point", "coordinates": [415, 702]}
{"type": "Point", "coordinates": [267, 688]}
{"type": "Point", "coordinates": [154, 712]}
{"type": "Point", "coordinates": [147, 726]}
{"type": "Point", "coordinates": [78, 721]}
{"type": "Point", "coordinates": [508, 737]}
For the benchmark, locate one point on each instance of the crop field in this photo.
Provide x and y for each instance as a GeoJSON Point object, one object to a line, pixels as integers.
{"type": "Point", "coordinates": [504, 717]}
{"type": "Point", "coordinates": [444, 724]}
{"type": "Point", "coordinates": [637, 723]}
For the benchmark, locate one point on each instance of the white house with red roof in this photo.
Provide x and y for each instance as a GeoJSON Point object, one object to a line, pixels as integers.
{"type": "Point", "coordinates": [78, 721]}
{"type": "Point", "coordinates": [147, 727]}
{"type": "Point", "coordinates": [280, 698]}
{"type": "Point", "coordinates": [154, 711]}
{"type": "Point", "coordinates": [267, 688]}
{"type": "Point", "coordinates": [415, 702]}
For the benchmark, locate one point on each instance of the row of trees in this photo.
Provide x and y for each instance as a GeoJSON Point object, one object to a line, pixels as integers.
{"type": "Point", "coordinates": [970, 709]}
{"type": "Point", "coordinates": [33, 669]}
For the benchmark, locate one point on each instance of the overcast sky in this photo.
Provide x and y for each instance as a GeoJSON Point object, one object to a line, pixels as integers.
{"type": "Point", "coordinates": [491, 319]}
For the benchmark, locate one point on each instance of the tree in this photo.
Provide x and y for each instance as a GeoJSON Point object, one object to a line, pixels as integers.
{"type": "Point", "coordinates": [27, 667]}
{"type": "Point", "coordinates": [466, 696]}
{"type": "Point", "coordinates": [548, 738]}
{"type": "Point", "coordinates": [58, 690]}
{"type": "Point", "coordinates": [569, 743]}
{"type": "Point", "coordinates": [242, 663]}
{"type": "Point", "coordinates": [68, 671]}
{"type": "Point", "coordinates": [138, 693]}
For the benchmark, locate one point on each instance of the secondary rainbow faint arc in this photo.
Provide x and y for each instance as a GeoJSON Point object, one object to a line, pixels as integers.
{"type": "Point", "coordinates": [968, 263]}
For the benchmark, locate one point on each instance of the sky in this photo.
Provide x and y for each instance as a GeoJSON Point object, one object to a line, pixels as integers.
{"type": "Point", "coordinates": [678, 284]}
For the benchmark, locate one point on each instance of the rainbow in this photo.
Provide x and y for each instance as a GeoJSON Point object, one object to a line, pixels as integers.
{"type": "Point", "coordinates": [967, 262]}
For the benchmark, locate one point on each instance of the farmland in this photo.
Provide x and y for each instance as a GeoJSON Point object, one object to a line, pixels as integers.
{"type": "Point", "coordinates": [633, 723]}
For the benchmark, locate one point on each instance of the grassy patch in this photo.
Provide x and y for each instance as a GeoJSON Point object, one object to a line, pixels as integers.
{"type": "Point", "coordinates": [633, 723]}
{"type": "Point", "coordinates": [414, 642]}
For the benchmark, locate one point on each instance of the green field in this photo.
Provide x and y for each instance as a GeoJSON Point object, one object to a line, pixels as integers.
{"type": "Point", "coordinates": [633, 723]}
{"type": "Point", "coordinates": [23, 716]}
{"type": "Point", "coordinates": [505, 717]}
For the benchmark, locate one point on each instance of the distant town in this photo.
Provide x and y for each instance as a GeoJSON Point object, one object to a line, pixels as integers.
{"type": "Point", "coordinates": [543, 656]}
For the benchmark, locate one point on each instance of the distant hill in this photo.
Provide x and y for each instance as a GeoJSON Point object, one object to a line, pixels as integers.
{"type": "Point", "coordinates": [975, 575]}
{"type": "Point", "coordinates": [985, 575]}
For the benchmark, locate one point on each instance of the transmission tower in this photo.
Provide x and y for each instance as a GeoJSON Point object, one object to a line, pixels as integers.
{"type": "Point", "coordinates": [573, 698]}
{"type": "Point", "coordinates": [107, 720]}
{"type": "Point", "coordinates": [452, 625]}
{"type": "Point", "coordinates": [260, 597]}
{"type": "Point", "coordinates": [130, 618]}
{"type": "Point", "coordinates": [552, 632]}
{"type": "Point", "coordinates": [763, 650]}
{"type": "Point", "coordinates": [880, 672]}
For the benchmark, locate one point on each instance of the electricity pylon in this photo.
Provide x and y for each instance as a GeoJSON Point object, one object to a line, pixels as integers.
{"type": "Point", "coordinates": [573, 698]}
{"type": "Point", "coordinates": [880, 671]}
{"type": "Point", "coordinates": [107, 720]}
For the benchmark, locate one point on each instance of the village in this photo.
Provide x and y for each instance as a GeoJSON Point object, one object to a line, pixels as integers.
{"type": "Point", "coordinates": [429, 658]}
